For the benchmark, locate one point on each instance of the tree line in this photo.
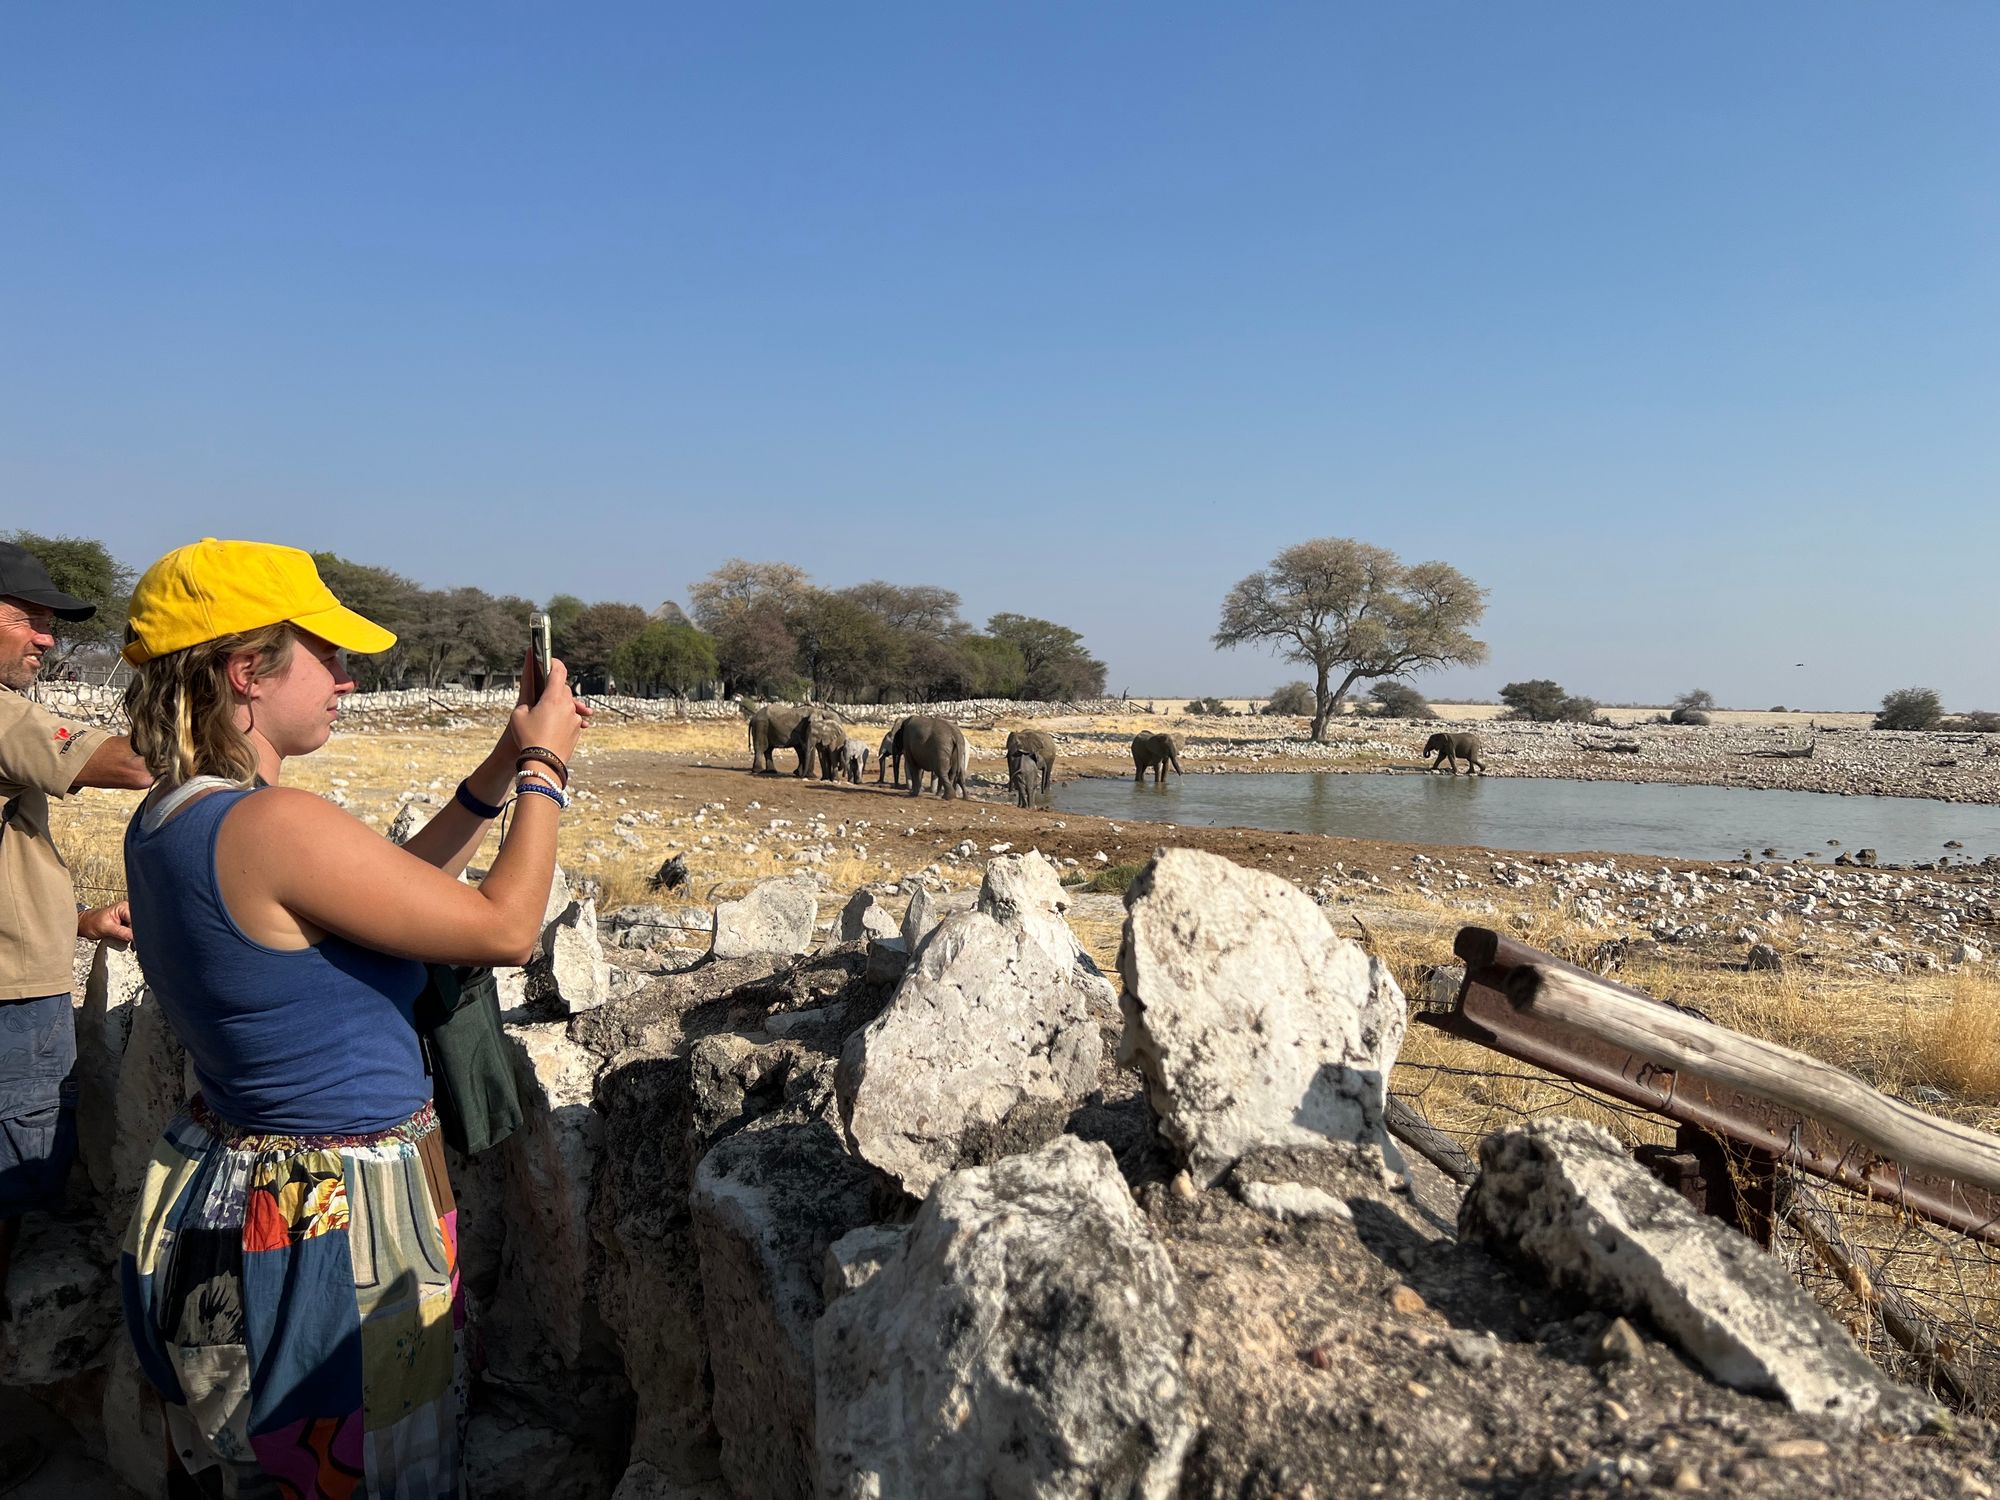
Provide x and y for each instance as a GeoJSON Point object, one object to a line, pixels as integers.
{"type": "Point", "coordinates": [760, 630]}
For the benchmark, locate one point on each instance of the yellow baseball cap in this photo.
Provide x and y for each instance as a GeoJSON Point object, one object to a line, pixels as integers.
{"type": "Point", "coordinates": [211, 589]}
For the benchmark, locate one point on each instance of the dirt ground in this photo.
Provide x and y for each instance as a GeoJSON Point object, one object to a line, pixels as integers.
{"type": "Point", "coordinates": [911, 830]}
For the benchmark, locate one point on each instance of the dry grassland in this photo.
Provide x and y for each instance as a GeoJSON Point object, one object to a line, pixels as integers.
{"type": "Point", "coordinates": [1936, 1031]}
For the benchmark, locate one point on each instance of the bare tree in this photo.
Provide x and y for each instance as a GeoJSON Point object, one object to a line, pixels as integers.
{"type": "Point", "coordinates": [1336, 604]}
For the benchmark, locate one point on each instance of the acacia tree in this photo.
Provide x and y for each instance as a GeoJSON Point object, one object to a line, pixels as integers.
{"type": "Point", "coordinates": [744, 607]}
{"type": "Point", "coordinates": [1338, 605]}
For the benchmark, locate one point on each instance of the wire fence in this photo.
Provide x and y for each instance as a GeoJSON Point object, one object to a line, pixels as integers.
{"type": "Point", "coordinates": [1920, 1298]}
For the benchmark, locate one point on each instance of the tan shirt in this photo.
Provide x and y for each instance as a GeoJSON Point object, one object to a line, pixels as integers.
{"type": "Point", "coordinates": [40, 756]}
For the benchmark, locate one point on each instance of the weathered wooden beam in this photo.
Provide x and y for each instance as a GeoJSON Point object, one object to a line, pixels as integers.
{"type": "Point", "coordinates": [1671, 1038]}
{"type": "Point", "coordinates": [1407, 1124]}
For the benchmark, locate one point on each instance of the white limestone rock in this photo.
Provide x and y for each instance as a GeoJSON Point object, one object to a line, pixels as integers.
{"type": "Point", "coordinates": [983, 1021]}
{"type": "Point", "coordinates": [1038, 1263]}
{"type": "Point", "coordinates": [775, 919]}
{"type": "Point", "coordinates": [1563, 1195]}
{"type": "Point", "coordinates": [768, 1203]}
{"type": "Point", "coordinates": [111, 997]}
{"type": "Point", "coordinates": [866, 917]}
{"type": "Point", "coordinates": [153, 1078]}
{"type": "Point", "coordinates": [65, 1304]}
{"type": "Point", "coordinates": [571, 974]}
{"type": "Point", "coordinates": [550, 1163]}
{"type": "Point", "coordinates": [920, 919]}
{"type": "Point", "coordinates": [1252, 1022]}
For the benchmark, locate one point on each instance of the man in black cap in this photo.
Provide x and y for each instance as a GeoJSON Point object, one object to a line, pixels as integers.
{"type": "Point", "coordinates": [41, 756]}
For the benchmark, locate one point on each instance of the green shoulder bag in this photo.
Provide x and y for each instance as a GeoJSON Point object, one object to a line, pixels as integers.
{"type": "Point", "coordinates": [466, 1054]}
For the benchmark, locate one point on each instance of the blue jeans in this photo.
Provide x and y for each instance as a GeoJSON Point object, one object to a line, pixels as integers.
{"type": "Point", "coordinates": [37, 1102]}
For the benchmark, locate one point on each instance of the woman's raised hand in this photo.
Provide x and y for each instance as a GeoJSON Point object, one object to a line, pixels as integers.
{"type": "Point", "coordinates": [555, 721]}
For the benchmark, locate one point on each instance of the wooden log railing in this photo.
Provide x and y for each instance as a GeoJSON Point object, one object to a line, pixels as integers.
{"type": "Point", "coordinates": [1781, 1105]}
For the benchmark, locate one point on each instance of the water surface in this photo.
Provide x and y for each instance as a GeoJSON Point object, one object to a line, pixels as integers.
{"type": "Point", "coordinates": [1551, 816]}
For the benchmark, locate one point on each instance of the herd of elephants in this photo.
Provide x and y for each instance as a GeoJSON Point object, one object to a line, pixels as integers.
{"type": "Point", "coordinates": [925, 745]}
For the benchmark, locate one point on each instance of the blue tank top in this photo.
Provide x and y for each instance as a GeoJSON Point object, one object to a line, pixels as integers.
{"type": "Point", "coordinates": [312, 1041]}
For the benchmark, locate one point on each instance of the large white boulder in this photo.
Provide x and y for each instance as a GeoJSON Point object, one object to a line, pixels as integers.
{"type": "Point", "coordinates": [1252, 1022]}
{"type": "Point", "coordinates": [768, 1204]}
{"type": "Point", "coordinates": [1024, 1339]}
{"type": "Point", "coordinates": [549, 1164]}
{"type": "Point", "coordinates": [571, 973]}
{"type": "Point", "coordinates": [983, 1021]}
{"type": "Point", "coordinates": [1564, 1196]}
{"type": "Point", "coordinates": [775, 919]}
{"type": "Point", "coordinates": [153, 1085]}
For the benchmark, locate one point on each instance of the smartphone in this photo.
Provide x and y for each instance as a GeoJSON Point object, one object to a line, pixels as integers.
{"type": "Point", "coordinates": [538, 662]}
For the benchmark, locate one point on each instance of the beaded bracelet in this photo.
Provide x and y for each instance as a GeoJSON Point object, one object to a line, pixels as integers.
{"type": "Point", "coordinates": [466, 798]}
{"type": "Point", "coordinates": [529, 784]}
{"type": "Point", "coordinates": [547, 757]}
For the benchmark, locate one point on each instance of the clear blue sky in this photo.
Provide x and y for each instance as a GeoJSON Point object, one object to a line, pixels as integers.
{"type": "Point", "coordinates": [1678, 326]}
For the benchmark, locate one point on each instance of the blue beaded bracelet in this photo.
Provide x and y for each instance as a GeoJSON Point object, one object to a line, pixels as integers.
{"type": "Point", "coordinates": [471, 803]}
{"type": "Point", "coordinates": [540, 789]}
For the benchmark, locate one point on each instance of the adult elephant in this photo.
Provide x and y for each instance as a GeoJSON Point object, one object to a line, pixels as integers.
{"type": "Point", "coordinates": [1443, 747]}
{"type": "Point", "coordinates": [829, 746]}
{"type": "Point", "coordinates": [1031, 761]}
{"type": "Point", "coordinates": [925, 743]}
{"type": "Point", "coordinates": [887, 762]}
{"type": "Point", "coordinates": [777, 727]}
{"type": "Point", "coordinates": [1155, 752]}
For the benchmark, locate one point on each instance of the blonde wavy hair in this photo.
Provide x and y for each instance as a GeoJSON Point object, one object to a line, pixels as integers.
{"type": "Point", "coordinates": [183, 711]}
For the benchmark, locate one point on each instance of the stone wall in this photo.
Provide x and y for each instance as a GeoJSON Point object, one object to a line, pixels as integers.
{"type": "Point", "coordinates": [89, 701]}
{"type": "Point", "coordinates": [938, 1211]}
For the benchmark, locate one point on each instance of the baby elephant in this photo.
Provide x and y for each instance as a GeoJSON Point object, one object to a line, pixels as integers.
{"type": "Point", "coordinates": [1154, 752]}
{"type": "Point", "coordinates": [1031, 760]}
{"type": "Point", "coordinates": [854, 758]}
{"type": "Point", "coordinates": [1449, 747]}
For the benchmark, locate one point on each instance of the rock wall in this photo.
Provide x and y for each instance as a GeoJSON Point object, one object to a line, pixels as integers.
{"type": "Point", "coordinates": [795, 1224]}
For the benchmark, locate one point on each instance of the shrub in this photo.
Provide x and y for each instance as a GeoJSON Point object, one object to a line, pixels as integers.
{"type": "Point", "coordinates": [1208, 706]}
{"type": "Point", "coordinates": [1114, 880]}
{"type": "Point", "coordinates": [1294, 698]}
{"type": "Point", "coordinates": [1695, 700]}
{"type": "Point", "coordinates": [1398, 700]}
{"type": "Point", "coordinates": [1910, 708]}
{"type": "Point", "coordinates": [1777, 708]}
{"type": "Point", "coordinates": [1544, 702]}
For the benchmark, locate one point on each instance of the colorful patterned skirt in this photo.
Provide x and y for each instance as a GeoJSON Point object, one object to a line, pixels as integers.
{"type": "Point", "coordinates": [295, 1301]}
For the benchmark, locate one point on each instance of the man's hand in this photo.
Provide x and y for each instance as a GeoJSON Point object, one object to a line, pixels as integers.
{"type": "Point", "coordinates": [100, 923]}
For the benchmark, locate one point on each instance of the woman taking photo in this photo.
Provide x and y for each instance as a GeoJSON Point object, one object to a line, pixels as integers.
{"type": "Point", "coordinates": [290, 1273]}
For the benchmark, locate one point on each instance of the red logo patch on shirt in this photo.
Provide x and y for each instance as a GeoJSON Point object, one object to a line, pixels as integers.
{"type": "Point", "coordinates": [65, 739]}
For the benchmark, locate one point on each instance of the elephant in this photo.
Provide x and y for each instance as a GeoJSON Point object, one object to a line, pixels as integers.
{"type": "Point", "coordinates": [887, 761]}
{"type": "Point", "coordinates": [1031, 761]}
{"type": "Point", "coordinates": [775, 727]}
{"type": "Point", "coordinates": [1443, 747]}
{"type": "Point", "coordinates": [829, 747]}
{"type": "Point", "coordinates": [926, 743]}
{"type": "Point", "coordinates": [854, 761]}
{"type": "Point", "coordinates": [1155, 752]}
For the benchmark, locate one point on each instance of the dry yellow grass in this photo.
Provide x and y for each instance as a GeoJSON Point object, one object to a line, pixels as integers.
{"type": "Point", "coordinates": [1939, 1030]}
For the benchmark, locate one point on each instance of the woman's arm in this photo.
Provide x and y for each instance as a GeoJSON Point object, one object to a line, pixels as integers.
{"type": "Point", "coordinates": [291, 866]}
{"type": "Point", "coordinates": [454, 833]}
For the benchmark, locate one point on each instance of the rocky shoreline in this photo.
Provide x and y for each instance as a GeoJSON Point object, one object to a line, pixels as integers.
{"type": "Point", "coordinates": [1847, 763]}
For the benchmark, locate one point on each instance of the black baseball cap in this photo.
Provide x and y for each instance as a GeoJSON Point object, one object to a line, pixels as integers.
{"type": "Point", "coordinates": [23, 577]}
